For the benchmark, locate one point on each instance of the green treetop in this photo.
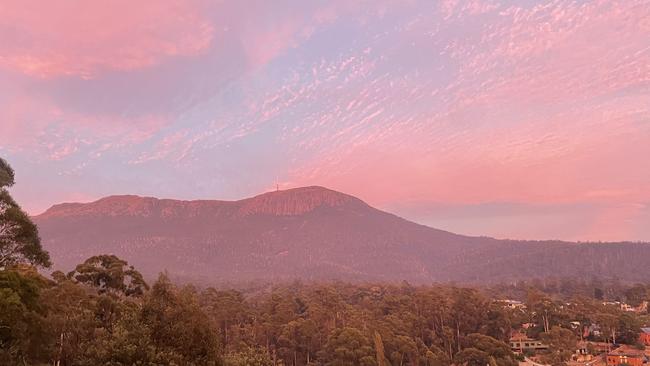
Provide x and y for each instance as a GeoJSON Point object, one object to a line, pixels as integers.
{"type": "Point", "coordinates": [19, 240]}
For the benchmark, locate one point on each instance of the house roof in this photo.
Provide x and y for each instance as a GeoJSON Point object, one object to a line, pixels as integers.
{"type": "Point", "coordinates": [627, 351]}
{"type": "Point", "coordinates": [645, 330]}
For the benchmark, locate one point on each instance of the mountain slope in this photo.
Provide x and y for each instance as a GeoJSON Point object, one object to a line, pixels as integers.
{"type": "Point", "coordinates": [310, 233]}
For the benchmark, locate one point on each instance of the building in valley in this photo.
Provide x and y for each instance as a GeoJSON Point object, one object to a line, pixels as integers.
{"type": "Point", "coordinates": [521, 343]}
{"type": "Point", "coordinates": [626, 356]}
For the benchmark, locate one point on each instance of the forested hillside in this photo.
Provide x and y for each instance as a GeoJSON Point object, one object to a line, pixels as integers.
{"type": "Point", "coordinates": [103, 313]}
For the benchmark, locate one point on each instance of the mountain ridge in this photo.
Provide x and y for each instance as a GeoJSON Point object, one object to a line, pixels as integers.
{"type": "Point", "coordinates": [288, 202]}
{"type": "Point", "coordinates": [310, 233]}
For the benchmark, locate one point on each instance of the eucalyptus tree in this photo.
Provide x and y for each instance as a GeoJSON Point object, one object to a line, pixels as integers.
{"type": "Point", "coordinates": [19, 240]}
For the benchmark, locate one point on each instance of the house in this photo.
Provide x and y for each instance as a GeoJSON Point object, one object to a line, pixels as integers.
{"type": "Point", "coordinates": [521, 343]}
{"type": "Point", "coordinates": [627, 307]}
{"type": "Point", "coordinates": [644, 338]}
{"type": "Point", "coordinates": [592, 330]}
{"type": "Point", "coordinates": [582, 353]}
{"type": "Point", "coordinates": [600, 347]}
{"type": "Point", "coordinates": [626, 355]}
{"type": "Point", "coordinates": [581, 348]}
{"type": "Point", "coordinates": [512, 304]}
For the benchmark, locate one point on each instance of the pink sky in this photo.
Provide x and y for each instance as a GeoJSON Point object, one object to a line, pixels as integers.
{"type": "Point", "coordinates": [520, 119]}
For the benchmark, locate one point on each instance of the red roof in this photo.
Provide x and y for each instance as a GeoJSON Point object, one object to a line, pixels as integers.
{"type": "Point", "coordinates": [627, 351]}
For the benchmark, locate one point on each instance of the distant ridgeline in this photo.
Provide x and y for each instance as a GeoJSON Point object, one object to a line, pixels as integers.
{"type": "Point", "coordinates": [312, 233]}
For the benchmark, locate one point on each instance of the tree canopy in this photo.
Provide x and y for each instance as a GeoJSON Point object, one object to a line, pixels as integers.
{"type": "Point", "coordinates": [110, 274]}
{"type": "Point", "coordinates": [19, 240]}
{"type": "Point", "coordinates": [6, 174]}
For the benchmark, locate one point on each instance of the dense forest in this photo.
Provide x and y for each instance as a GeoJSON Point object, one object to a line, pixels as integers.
{"type": "Point", "coordinates": [103, 312]}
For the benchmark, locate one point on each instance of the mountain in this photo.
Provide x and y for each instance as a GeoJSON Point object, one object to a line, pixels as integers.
{"type": "Point", "coordinates": [310, 233]}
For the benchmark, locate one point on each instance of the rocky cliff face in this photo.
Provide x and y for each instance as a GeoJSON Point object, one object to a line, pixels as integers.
{"type": "Point", "coordinates": [295, 202]}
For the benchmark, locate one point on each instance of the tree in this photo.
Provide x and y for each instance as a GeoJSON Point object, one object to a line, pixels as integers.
{"type": "Point", "coordinates": [543, 309]}
{"type": "Point", "coordinates": [178, 325]}
{"type": "Point", "coordinates": [6, 174]}
{"type": "Point", "coordinates": [405, 351]}
{"type": "Point", "coordinates": [608, 324]}
{"type": "Point", "coordinates": [110, 274]}
{"type": "Point", "coordinates": [468, 312]}
{"type": "Point", "coordinates": [228, 310]}
{"type": "Point", "coordinates": [379, 349]}
{"type": "Point", "coordinates": [251, 356]}
{"type": "Point", "coordinates": [128, 344]}
{"type": "Point", "coordinates": [19, 240]}
{"type": "Point", "coordinates": [500, 352]}
{"type": "Point", "coordinates": [498, 323]}
{"type": "Point", "coordinates": [636, 294]}
{"type": "Point", "coordinates": [436, 357]}
{"type": "Point", "coordinates": [296, 341]}
{"type": "Point", "coordinates": [70, 322]}
{"type": "Point", "coordinates": [348, 347]}
{"type": "Point", "coordinates": [561, 343]}
{"type": "Point", "coordinates": [598, 294]}
{"type": "Point", "coordinates": [473, 357]}
{"type": "Point", "coordinates": [628, 329]}
{"type": "Point", "coordinates": [20, 316]}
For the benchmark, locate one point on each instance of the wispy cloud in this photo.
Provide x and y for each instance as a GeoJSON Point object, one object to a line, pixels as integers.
{"type": "Point", "coordinates": [457, 102]}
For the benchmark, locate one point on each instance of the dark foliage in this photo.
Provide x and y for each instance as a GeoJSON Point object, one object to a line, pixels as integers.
{"type": "Point", "coordinates": [19, 240]}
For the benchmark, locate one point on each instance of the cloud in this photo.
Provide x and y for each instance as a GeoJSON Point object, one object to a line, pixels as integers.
{"type": "Point", "coordinates": [538, 98]}
{"type": "Point", "coordinates": [554, 52]}
{"type": "Point", "coordinates": [98, 42]}
{"type": "Point", "coordinates": [48, 131]}
{"type": "Point", "coordinates": [459, 102]}
{"type": "Point", "coordinates": [84, 38]}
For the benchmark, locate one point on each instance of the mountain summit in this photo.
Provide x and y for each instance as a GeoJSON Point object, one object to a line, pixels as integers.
{"type": "Point", "coordinates": [298, 201]}
{"type": "Point", "coordinates": [291, 202]}
{"type": "Point", "coordinates": [310, 233]}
